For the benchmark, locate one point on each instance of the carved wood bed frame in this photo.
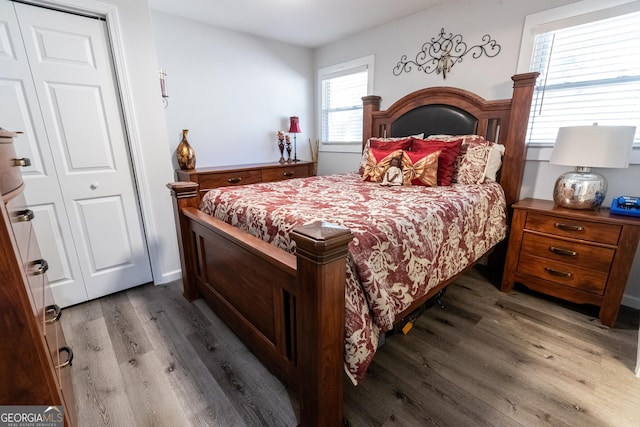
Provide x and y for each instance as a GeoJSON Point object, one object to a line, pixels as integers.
{"type": "Point", "coordinates": [289, 309]}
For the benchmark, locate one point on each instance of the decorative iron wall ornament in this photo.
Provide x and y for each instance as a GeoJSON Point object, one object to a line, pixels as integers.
{"type": "Point", "coordinates": [441, 53]}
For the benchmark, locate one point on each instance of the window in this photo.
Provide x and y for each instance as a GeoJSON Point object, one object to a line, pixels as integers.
{"type": "Point", "coordinates": [589, 64]}
{"type": "Point", "coordinates": [341, 89]}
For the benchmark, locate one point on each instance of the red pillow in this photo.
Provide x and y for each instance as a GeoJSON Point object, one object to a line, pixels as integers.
{"type": "Point", "coordinates": [387, 144]}
{"type": "Point", "coordinates": [377, 163]}
{"type": "Point", "coordinates": [446, 160]}
{"type": "Point", "coordinates": [383, 144]}
{"type": "Point", "coordinates": [420, 167]}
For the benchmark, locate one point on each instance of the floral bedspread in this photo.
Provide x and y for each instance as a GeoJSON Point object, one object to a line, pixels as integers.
{"type": "Point", "coordinates": [406, 239]}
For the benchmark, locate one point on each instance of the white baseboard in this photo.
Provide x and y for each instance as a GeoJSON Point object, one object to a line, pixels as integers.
{"type": "Point", "coordinates": [171, 276]}
{"type": "Point", "coordinates": [631, 301]}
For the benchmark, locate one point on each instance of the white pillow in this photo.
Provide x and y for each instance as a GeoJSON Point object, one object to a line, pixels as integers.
{"type": "Point", "coordinates": [494, 162]}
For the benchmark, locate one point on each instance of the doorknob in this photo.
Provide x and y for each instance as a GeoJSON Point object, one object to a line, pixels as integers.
{"type": "Point", "coordinates": [93, 185]}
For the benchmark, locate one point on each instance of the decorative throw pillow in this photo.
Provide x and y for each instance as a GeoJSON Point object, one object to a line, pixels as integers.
{"type": "Point", "coordinates": [378, 161]}
{"type": "Point", "coordinates": [467, 164]}
{"type": "Point", "coordinates": [494, 162]}
{"type": "Point", "coordinates": [420, 167]}
{"type": "Point", "coordinates": [397, 143]}
{"type": "Point", "coordinates": [473, 165]}
{"type": "Point", "coordinates": [449, 153]}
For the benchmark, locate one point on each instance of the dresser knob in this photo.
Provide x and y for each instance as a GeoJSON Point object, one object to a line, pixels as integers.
{"type": "Point", "coordinates": [25, 215]}
{"type": "Point", "coordinates": [41, 267]}
{"type": "Point", "coordinates": [234, 180]}
{"type": "Point", "coordinates": [57, 313]}
{"type": "Point", "coordinates": [289, 174]}
{"type": "Point", "coordinates": [94, 186]}
{"type": "Point", "coordinates": [24, 162]}
{"type": "Point", "coordinates": [67, 362]}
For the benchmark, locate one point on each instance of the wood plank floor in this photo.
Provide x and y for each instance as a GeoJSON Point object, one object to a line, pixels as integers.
{"type": "Point", "coordinates": [147, 357]}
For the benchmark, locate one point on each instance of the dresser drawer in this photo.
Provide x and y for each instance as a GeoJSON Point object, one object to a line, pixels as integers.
{"type": "Point", "coordinates": [10, 174]}
{"type": "Point", "coordinates": [224, 179]}
{"type": "Point", "coordinates": [563, 273]}
{"type": "Point", "coordinates": [580, 254]}
{"type": "Point", "coordinates": [287, 172]}
{"type": "Point", "coordinates": [574, 228]}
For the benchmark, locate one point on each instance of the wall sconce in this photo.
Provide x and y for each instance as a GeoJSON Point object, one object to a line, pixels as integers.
{"type": "Point", "coordinates": [163, 87]}
{"type": "Point", "coordinates": [441, 53]}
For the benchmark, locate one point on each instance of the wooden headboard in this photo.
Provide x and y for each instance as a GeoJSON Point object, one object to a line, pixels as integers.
{"type": "Point", "coordinates": [453, 111]}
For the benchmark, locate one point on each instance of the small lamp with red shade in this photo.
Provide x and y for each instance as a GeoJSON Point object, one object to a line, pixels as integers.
{"type": "Point", "coordinates": [294, 128]}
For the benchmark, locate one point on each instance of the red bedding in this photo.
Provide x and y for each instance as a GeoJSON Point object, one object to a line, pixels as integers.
{"type": "Point", "coordinates": [406, 239]}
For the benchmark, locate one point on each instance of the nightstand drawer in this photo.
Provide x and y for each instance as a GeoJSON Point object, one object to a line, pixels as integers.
{"type": "Point", "coordinates": [580, 254]}
{"type": "Point", "coordinates": [574, 228]}
{"type": "Point", "coordinates": [563, 273]}
{"type": "Point", "coordinates": [287, 172]}
{"type": "Point", "coordinates": [224, 179]}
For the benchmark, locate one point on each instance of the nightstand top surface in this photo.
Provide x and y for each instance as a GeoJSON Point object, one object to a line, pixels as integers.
{"type": "Point", "coordinates": [603, 214]}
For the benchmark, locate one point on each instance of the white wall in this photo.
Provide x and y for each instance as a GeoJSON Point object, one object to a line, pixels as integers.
{"type": "Point", "coordinates": [488, 77]}
{"type": "Point", "coordinates": [232, 91]}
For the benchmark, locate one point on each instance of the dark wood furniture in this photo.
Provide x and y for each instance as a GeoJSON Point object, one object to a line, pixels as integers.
{"type": "Point", "coordinates": [224, 176]}
{"type": "Point", "coordinates": [289, 309]}
{"type": "Point", "coordinates": [581, 256]}
{"type": "Point", "coordinates": [34, 359]}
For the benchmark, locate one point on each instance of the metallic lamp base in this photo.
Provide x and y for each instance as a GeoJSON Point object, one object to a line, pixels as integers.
{"type": "Point", "coordinates": [580, 189]}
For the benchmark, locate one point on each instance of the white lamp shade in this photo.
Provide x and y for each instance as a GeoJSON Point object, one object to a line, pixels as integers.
{"type": "Point", "coordinates": [593, 146]}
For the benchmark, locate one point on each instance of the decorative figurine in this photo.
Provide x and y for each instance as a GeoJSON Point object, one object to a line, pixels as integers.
{"type": "Point", "coordinates": [393, 175]}
{"type": "Point", "coordinates": [288, 139]}
{"type": "Point", "coordinates": [281, 146]}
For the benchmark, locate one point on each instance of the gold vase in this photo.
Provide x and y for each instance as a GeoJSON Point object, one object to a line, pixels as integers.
{"type": "Point", "coordinates": [185, 154]}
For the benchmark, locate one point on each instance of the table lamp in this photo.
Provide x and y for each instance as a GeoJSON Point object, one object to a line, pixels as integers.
{"type": "Point", "coordinates": [587, 147]}
{"type": "Point", "coordinates": [294, 128]}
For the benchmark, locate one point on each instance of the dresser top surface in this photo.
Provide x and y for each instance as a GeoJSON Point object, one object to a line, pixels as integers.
{"type": "Point", "coordinates": [243, 167]}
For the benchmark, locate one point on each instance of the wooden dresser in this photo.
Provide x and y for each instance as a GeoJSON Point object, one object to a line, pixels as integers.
{"type": "Point", "coordinates": [582, 256]}
{"type": "Point", "coordinates": [224, 176]}
{"type": "Point", "coordinates": [34, 358]}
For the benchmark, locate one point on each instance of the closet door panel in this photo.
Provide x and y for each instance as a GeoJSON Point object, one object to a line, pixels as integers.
{"type": "Point", "coordinates": [71, 66]}
{"type": "Point", "coordinates": [20, 111]}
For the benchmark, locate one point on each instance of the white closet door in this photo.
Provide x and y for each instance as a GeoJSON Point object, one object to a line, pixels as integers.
{"type": "Point", "coordinates": [81, 184]}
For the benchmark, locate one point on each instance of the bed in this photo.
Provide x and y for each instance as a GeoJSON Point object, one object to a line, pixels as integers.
{"type": "Point", "coordinates": [280, 277]}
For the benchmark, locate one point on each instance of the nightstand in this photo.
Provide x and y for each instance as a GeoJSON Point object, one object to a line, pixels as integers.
{"type": "Point", "coordinates": [577, 255]}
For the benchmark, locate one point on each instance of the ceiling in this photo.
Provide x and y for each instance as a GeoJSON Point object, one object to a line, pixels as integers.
{"type": "Point", "coordinates": [309, 23]}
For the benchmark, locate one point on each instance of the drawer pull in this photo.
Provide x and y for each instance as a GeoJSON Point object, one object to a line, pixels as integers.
{"type": "Point", "coordinates": [25, 215]}
{"type": "Point", "coordinates": [67, 362]}
{"type": "Point", "coordinates": [41, 267]}
{"type": "Point", "coordinates": [57, 313]}
{"type": "Point", "coordinates": [561, 251]}
{"type": "Point", "coordinates": [289, 174]}
{"type": "Point", "coordinates": [557, 273]}
{"type": "Point", "coordinates": [568, 227]}
{"type": "Point", "coordinates": [234, 180]}
{"type": "Point", "coordinates": [24, 162]}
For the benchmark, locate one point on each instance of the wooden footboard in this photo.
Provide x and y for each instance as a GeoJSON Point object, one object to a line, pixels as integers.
{"type": "Point", "coordinates": [288, 309]}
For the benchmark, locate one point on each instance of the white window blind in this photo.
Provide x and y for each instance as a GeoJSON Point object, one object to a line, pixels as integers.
{"type": "Point", "coordinates": [589, 73]}
{"type": "Point", "coordinates": [341, 115]}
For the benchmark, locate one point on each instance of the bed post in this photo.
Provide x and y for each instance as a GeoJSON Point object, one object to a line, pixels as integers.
{"type": "Point", "coordinates": [321, 250]}
{"type": "Point", "coordinates": [185, 195]}
{"type": "Point", "coordinates": [515, 154]}
{"type": "Point", "coordinates": [370, 104]}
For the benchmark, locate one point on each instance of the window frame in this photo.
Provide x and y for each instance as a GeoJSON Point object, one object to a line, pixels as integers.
{"type": "Point", "coordinates": [344, 68]}
{"type": "Point", "coordinates": [565, 16]}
